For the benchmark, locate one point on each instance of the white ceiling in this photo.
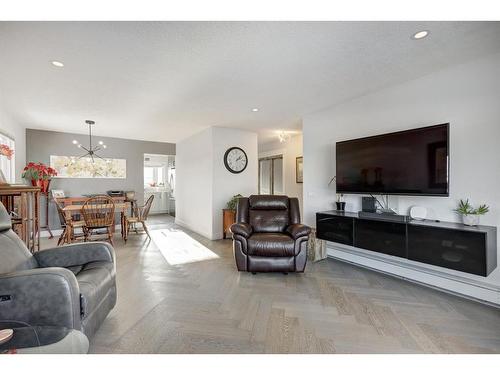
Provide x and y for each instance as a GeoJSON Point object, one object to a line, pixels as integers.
{"type": "Point", "coordinates": [164, 81]}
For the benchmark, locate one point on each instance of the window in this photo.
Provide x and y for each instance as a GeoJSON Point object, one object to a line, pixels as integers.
{"type": "Point", "coordinates": [7, 166]}
{"type": "Point", "coordinates": [154, 176]}
{"type": "Point", "coordinates": [271, 175]}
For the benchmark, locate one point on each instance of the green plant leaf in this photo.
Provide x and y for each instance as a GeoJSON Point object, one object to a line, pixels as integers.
{"type": "Point", "coordinates": [482, 210]}
{"type": "Point", "coordinates": [465, 208]}
{"type": "Point", "coordinates": [231, 204]}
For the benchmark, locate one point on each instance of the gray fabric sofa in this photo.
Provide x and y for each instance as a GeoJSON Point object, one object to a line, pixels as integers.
{"type": "Point", "coordinates": [71, 286]}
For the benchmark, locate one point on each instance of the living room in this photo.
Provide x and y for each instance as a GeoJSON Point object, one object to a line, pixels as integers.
{"type": "Point", "coordinates": [250, 187]}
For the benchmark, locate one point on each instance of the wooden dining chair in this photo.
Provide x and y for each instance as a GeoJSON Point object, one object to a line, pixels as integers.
{"type": "Point", "coordinates": [70, 226]}
{"type": "Point", "coordinates": [99, 213]}
{"type": "Point", "coordinates": [140, 216]}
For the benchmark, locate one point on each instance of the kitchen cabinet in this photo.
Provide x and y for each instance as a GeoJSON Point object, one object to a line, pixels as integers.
{"type": "Point", "coordinates": [161, 201]}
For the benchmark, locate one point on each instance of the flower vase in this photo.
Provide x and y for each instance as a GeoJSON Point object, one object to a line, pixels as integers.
{"type": "Point", "coordinates": [42, 184]}
{"type": "Point", "coordinates": [470, 220]}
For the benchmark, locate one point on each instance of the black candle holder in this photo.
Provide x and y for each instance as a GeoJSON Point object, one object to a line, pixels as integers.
{"type": "Point", "coordinates": [340, 206]}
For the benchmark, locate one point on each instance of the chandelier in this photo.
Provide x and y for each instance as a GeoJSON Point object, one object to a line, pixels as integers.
{"type": "Point", "coordinates": [91, 150]}
{"type": "Point", "coordinates": [284, 137]}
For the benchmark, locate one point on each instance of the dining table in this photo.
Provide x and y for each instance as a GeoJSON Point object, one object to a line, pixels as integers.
{"type": "Point", "coordinates": [120, 207]}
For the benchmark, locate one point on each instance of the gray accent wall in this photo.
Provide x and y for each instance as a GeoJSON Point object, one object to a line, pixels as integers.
{"type": "Point", "coordinates": [40, 144]}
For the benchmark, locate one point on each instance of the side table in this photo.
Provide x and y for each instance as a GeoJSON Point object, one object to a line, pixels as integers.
{"type": "Point", "coordinates": [228, 219]}
{"type": "Point", "coordinates": [45, 340]}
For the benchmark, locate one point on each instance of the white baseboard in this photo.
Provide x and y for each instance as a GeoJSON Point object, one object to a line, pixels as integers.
{"type": "Point", "coordinates": [435, 277]}
{"type": "Point", "coordinates": [196, 230]}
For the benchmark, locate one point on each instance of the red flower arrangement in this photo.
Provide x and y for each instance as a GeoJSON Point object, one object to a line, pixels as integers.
{"type": "Point", "coordinates": [39, 174]}
{"type": "Point", "coordinates": [6, 151]}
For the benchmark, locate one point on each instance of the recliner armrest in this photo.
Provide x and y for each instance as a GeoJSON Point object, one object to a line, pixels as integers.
{"type": "Point", "coordinates": [41, 297]}
{"type": "Point", "coordinates": [76, 254]}
{"type": "Point", "coordinates": [243, 229]}
{"type": "Point", "coordinates": [298, 230]}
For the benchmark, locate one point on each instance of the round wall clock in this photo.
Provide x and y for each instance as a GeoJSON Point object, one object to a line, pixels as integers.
{"type": "Point", "coordinates": [235, 160]}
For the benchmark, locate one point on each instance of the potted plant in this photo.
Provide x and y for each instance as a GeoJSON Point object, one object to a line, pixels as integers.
{"type": "Point", "coordinates": [470, 215]}
{"type": "Point", "coordinates": [340, 202]}
{"type": "Point", "coordinates": [231, 204]}
{"type": "Point", "coordinates": [39, 174]}
{"type": "Point", "coordinates": [7, 152]}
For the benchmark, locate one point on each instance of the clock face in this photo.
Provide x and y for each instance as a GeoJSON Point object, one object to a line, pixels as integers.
{"type": "Point", "coordinates": [235, 160]}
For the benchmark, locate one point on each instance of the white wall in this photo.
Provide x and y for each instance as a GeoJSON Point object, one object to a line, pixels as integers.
{"type": "Point", "coordinates": [290, 151]}
{"type": "Point", "coordinates": [227, 184]}
{"type": "Point", "coordinates": [11, 128]}
{"type": "Point", "coordinates": [203, 183]}
{"type": "Point", "coordinates": [467, 96]}
{"type": "Point", "coordinates": [194, 173]}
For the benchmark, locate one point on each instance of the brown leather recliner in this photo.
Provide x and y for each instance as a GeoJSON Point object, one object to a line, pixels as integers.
{"type": "Point", "coordinates": [268, 236]}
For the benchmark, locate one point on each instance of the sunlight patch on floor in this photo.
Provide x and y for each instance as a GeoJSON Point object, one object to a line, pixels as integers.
{"type": "Point", "coordinates": [178, 247]}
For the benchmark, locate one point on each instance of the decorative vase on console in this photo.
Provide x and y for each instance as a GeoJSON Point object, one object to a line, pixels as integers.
{"type": "Point", "coordinates": [39, 174]}
{"type": "Point", "coordinates": [340, 204]}
{"type": "Point", "coordinates": [7, 152]}
{"type": "Point", "coordinates": [471, 215]}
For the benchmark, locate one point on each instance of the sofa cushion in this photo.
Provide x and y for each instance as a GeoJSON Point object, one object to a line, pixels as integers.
{"type": "Point", "coordinates": [242, 229]}
{"type": "Point", "coordinates": [271, 244]}
{"type": "Point", "coordinates": [14, 256]}
{"type": "Point", "coordinates": [298, 230]}
{"type": "Point", "coordinates": [95, 281]}
{"type": "Point", "coordinates": [268, 202]}
{"type": "Point", "coordinates": [75, 269]}
{"type": "Point", "coordinates": [269, 221]}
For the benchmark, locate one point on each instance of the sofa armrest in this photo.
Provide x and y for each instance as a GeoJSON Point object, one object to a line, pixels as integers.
{"type": "Point", "coordinates": [76, 254]}
{"type": "Point", "coordinates": [298, 230]}
{"type": "Point", "coordinates": [41, 297]}
{"type": "Point", "coordinates": [243, 229]}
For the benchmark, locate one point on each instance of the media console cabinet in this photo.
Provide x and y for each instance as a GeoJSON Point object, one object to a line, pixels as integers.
{"type": "Point", "coordinates": [450, 245]}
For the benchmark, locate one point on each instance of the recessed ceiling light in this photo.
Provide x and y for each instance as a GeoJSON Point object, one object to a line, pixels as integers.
{"type": "Point", "coordinates": [255, 109]}
{"type": "Point", "coordinates": [420, 34]}
{"type": "Point", "coordinates": [57, 63]}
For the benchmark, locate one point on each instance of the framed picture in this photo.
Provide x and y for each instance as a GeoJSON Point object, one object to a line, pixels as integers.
{"type": "Point", "coordinates": [74, 167]}
{"type": "Point", "coordinates": [56, 194]}
{"type": "Point", "coordinates": [299, 170]}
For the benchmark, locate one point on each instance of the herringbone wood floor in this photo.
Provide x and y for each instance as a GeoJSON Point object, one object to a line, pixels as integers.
{"type": "Point", "coordinates": [168, 305]}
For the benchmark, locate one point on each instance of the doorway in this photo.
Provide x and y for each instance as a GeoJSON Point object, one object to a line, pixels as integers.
{"type": "Point", "coordinates": [159, 181]}
{"type": "Point", "coordinates": [271, 175]}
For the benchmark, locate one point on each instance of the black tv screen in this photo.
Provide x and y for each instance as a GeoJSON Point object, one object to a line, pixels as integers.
{"type": "Point", "coordinates": [411, 162]}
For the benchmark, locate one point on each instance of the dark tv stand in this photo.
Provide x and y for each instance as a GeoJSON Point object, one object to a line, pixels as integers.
{"type": "Point", "coordinates": [450, 245]}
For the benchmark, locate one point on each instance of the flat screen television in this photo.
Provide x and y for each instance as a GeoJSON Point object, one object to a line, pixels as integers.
{"type": "Point", "coordinates": [410, 162]}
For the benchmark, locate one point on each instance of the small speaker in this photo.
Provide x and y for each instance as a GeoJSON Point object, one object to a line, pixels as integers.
{"type": "Point", "coordinates": [368, 204]}
{"type": "Point", "coordinates": [418, 213]}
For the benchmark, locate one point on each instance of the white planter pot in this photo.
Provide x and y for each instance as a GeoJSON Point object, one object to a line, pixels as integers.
{"type": "Point", "coordinates": [471, 220]}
